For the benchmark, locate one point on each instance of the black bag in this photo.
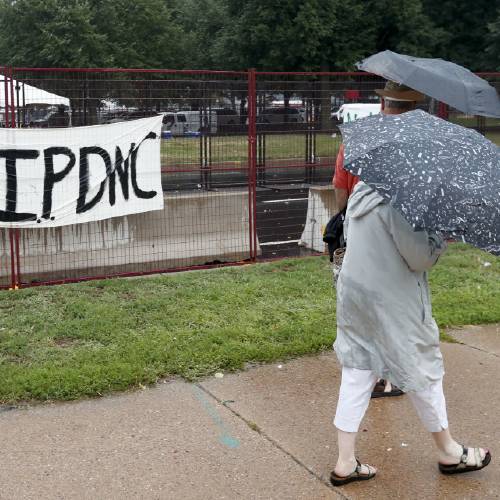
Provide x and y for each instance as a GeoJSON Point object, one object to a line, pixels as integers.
{"type": "Point", "coordinates": [334, 233]}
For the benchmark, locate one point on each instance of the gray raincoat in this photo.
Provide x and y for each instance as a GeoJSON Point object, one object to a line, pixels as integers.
{"type": "Point", "coordinates": [384, 315]}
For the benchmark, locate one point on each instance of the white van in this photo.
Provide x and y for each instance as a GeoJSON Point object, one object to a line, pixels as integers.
{"type": "Point", "coordinates": [350, 112]}
{"type": "Point", "coordinates": [188, 122]}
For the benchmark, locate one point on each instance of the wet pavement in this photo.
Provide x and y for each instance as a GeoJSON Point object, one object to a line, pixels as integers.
{"type": "Point", "coordinates": [264, 433]}
{"type": "Point", "coordinates": [482, 337]}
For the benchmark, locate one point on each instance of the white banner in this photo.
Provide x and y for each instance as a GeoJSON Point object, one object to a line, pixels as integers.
{"type": "Point", "coordinates": [55, 177]}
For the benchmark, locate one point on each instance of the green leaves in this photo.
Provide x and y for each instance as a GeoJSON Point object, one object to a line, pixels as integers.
{"type": "Point", "coordinates": [492, 52]}
{"type": "Point", "coordinates": [283, 35]}
{"type": "Point", "coordinates": [89, 33]}
{"type": "Point", "coordinates": [323, 34]}
{"type": "Point", "coordinates": [464, 26]}
{"type": "Point", "coordinates": [291, 34]}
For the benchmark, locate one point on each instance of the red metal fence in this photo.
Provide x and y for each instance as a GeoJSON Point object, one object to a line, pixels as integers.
{"type": "Point", "coordinates": [247, 161]}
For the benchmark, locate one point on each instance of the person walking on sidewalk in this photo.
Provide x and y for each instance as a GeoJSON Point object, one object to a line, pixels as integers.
{"type": "Point", "coordinates": [385, 327]}
{"type": "Point", "coordinates": [344, 183]}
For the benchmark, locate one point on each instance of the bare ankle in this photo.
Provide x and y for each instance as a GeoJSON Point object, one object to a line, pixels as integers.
{"type": "Point", "coordinates": [446, 445]}
{"type": "Point", "coordinates": [345, 467]}
{"type": "Point", "coordinates": [453, 449]}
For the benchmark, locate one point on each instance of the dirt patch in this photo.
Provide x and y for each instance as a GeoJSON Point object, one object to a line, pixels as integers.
{"type": "Point", "coordinates": [65, 342]}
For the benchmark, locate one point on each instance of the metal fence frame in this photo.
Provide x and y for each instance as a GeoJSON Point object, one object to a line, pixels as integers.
{"type": "Point", "coordinates": [254, 167]}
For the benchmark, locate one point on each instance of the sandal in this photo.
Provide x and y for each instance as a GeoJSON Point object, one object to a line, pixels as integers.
{"type": "Point", "coordinates": [380, 392]}
{"type": "Point", "coordinates": [356, 475]}
{"type": "Point", "coordinates": [462, 466]}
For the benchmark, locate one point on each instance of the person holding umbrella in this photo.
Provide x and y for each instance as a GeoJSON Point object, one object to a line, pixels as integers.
{"type": "Point", "coordinates": [396, 99]}
{"type": "Point", "coordinates": [420, 177]}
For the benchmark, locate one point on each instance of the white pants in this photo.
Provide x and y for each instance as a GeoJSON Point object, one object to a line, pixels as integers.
{"type": "Point", "coordinates": [354, 397]}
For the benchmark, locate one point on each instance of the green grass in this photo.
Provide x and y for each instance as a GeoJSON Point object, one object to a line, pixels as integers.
{"type": "Point", "coordinates": [89, 339]}
{"type": "Point", "coordinates": [494, 137]}
{"type": "Point", "coordinates": [181, 151]}
{"type": "Point", "coordinates": [472, 121]}
{"type": "Point", "coordinates": [464, 290]}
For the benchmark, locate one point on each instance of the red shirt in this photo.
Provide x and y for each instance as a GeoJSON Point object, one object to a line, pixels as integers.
{"type": "Point", "coordinates": [342, 178]}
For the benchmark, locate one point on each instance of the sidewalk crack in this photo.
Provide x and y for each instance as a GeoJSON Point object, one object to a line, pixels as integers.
{"type": "Point", "coordinates": [477, 348]}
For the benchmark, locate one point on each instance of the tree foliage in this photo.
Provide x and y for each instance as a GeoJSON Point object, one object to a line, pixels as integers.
{"type": "Point", "coordinates": [293, 34]}
{"type": "Point", "coordinates": [201, 24]}
{"type": "Point", "coordinates": [319, 34]}
{"type": "Point", "coordinates": [265, 34]}
{"type": "Point", "coordinates": [493, 48]}
{"type": "Point", "coordinates": [403, 26]}
{"type": "Point", "coordinates": [464, 24]}
{"type": "Point", "coordinates": [88, 33]}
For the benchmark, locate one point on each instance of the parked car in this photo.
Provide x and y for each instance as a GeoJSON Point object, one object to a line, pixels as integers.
{"type": "Point", "coordinates": [47, 117]}
{"type": "Point", "coordinates": [228, 120]}
{"type": "Point", "coordinates": [280, 119]}
{"type": "Point", "coordinates": [186, 122]}
{"type": "Point", "coordinates": [120, 116]}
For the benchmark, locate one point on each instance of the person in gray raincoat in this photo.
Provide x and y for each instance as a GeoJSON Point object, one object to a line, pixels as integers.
{"type": "Point", "coordinates": [385, 329]}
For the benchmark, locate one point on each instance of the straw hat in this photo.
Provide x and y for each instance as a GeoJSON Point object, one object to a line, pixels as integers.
{"type": "Point", "coordinates": [399, 92]}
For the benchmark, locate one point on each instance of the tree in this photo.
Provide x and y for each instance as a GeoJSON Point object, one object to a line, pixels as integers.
{"type": "Point", "coordinates": [201, 23]}
{"type": "Point", "coordinates": [492, 58]}
{"type": "Point", "coordinates": [318, 34]}
{"type": "Point", "coordinates": [404, 27]}
{"type": "Point", "coordinates": [91, 33]}
{"type": "Point", "coordinates": [465, 27]}
{"type": "Point", "coordinates": [293, 35]}
{"type": "Point", "coordinates": [49, 33]}
{"type": "Point", "coordinates": [88, 33]}
{"type": "Point", "coordinates": [140, 34]}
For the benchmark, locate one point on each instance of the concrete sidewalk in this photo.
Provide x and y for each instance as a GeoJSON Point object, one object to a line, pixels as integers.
{"type": "Point", "coordinates": [265, 433]}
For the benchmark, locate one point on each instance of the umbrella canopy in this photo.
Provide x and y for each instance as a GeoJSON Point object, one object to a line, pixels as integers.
{"type": "Point", "coordinates": [440, 176]}
{"type": "Point", "coordinates": [443, 80]}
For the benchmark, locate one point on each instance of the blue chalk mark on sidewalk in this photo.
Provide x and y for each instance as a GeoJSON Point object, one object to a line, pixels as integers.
{"type": "Point", "coordinates": [225, 437]}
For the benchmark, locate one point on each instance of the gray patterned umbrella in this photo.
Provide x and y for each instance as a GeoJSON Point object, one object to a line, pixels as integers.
{"type": "Point", "coordinates": [440, 176]}
{"type": "Point", "coordinates": [446, 81]}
